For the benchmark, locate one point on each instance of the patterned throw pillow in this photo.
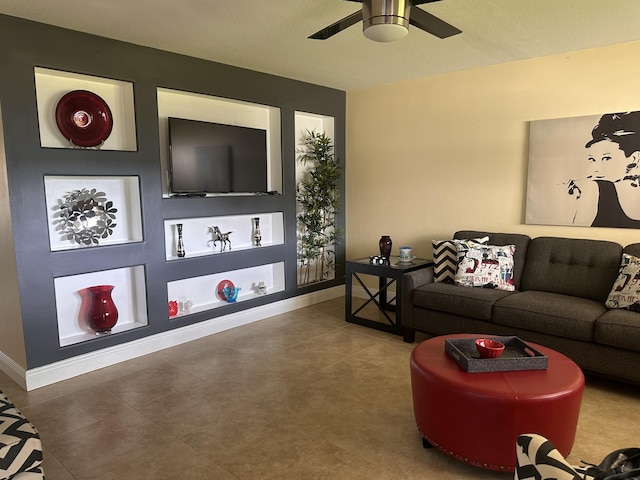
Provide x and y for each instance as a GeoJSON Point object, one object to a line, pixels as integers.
{"type": "Point", "coordinates": [445, 258]}
{"type": "Point", "coordinates": [488, 266]}
{"type": "Point", "coordinates": [625, 292]}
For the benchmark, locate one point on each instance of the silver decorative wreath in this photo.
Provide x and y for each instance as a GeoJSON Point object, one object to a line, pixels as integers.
{"type": "Point", "coordinates": [85, 216]}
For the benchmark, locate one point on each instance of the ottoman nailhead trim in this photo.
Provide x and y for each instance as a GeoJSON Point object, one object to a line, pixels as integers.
{"type": "Point", "coordinates": [466, 459]}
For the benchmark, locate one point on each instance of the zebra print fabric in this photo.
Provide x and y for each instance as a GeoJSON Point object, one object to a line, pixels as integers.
{"type": "Point", "coordinates": [20, 445]}
{"type": "Point", "coordinates": [538, 459]}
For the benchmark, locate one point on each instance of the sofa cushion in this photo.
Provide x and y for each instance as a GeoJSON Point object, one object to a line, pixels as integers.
{"type": "Point", "coordinates": [487, 266]}
{"type": "Point", "coordinates": [445, 259]}
{"type": "Point", "coordinates": [619, 328]}
{"type": "Point", "coordinates": [519, 240]}
{"type": "Point", "coordinates": [466, 302]}
{"type": "Point", "coordinates": [552, 313]}
{"type": "Point", "coordinates": [625, 292]}
{"type": "Point", "coordinates": [574, 267]}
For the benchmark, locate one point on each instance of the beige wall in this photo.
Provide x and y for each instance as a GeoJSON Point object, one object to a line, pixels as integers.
{"type": "Point", "coordinates": [11, 334]}
{"type": "Point", "coordinates": [431, 156]}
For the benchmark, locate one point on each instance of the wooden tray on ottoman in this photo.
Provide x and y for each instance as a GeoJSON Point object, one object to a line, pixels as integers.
{"type": "Point", "coordinates": [517, 355]}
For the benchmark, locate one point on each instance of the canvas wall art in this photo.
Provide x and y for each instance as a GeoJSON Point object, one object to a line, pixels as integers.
{"type": "Point", "coordinates": [584, 171]}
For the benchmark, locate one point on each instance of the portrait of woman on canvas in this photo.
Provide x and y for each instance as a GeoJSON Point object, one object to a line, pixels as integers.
{"type": "Point", "coordinates": [609, 195]}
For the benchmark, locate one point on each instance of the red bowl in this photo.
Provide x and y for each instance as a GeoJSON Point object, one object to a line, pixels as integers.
{"type": "Point", "coordinates": [488, 348]}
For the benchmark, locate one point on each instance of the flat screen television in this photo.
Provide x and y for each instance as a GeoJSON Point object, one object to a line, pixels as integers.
{"type": "Point", "coordinates": [208, 157]}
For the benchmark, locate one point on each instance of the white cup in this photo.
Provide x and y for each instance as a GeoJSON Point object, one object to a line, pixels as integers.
{"type": "Point", "coordinates": [405, 254]}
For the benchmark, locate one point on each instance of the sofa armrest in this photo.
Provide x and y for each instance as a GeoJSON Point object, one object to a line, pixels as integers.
{"type": "Point", "coordinates": [417, 278]}
{"type": "Point", "coordinates": [411, 281]}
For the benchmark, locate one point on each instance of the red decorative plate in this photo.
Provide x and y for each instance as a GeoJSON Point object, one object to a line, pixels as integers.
{"type": "Point", "coordinates": [84, 118]}
{"type": "Point", "coordinates": [221, 286]}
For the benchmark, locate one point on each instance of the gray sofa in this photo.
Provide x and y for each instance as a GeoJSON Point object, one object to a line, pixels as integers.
{"type": "Point", "coordinates": [559, 302]}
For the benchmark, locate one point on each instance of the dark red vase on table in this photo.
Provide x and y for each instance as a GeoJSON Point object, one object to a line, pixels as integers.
{"type": "Point", "coordinates": [385, 247]}
{"type": "Point", "coordinates": [102, 314]}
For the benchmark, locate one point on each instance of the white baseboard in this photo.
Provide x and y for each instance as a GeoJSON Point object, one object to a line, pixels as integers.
{"type": "Point", "coordinates": [14, 371]}
{"type": "Point", "coordinates": [72, 367]}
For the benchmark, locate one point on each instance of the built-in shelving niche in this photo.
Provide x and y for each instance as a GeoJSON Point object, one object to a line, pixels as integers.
{"type": "Point", "coordinates": [72, 302]}
{"type": "Point", "coordinates": [197, 234]}
{"type": "Point", "coordinates": [90, 211]}
{"type": "Point", "coordinates": [202, 292]}
{"type": "Point", "coordinates": [52, 85]}
{"type": "Point", "coordinates": [193, 106]}
{"type": "Point", "coordinates": [310, 271]}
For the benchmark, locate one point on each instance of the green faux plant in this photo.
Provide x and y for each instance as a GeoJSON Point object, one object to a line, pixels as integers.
{"type": "Point", "coordinates": [318, 199]}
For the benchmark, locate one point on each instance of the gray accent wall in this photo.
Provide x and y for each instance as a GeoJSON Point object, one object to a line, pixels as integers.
{"type": "Point", "coordinates": [27, 45]}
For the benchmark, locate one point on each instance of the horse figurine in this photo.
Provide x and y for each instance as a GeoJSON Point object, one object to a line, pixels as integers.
{"type": "Point", "coordinates": [218, 236]}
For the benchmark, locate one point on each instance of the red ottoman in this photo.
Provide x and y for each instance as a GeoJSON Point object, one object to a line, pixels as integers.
{"type": "Point", "coordinates": [477, 417]}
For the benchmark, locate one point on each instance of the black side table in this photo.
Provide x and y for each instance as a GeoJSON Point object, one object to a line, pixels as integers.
{"type": "Point", "coordinates": [389, 274]}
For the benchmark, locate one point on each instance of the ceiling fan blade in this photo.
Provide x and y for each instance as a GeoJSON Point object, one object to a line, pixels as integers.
{"type": "Point", "coordinates": [338, 26]}
{"type": "Point", "coordinates": [430, 24]}
{"type": "Point", "coordinates": [420, 2]}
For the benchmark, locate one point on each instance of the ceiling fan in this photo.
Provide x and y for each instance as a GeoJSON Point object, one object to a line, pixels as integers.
{"type": "Point", "coordinates": [388, 20]}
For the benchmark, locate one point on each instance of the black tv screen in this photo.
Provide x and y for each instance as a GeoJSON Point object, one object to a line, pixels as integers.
{"type": "Point", "coordinates": [210, 157]}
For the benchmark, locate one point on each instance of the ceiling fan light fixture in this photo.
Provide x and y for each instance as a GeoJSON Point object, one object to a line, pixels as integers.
{"type": "Point", "coordinates": [385, 20]}
{"type": "Point", "coordinates": [388, 20]}
{"type": "Point", "coordinates": [385, 32]}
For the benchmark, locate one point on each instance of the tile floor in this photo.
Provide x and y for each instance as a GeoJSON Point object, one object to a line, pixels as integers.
{"type": "Point", "coordinates": [302, 395]}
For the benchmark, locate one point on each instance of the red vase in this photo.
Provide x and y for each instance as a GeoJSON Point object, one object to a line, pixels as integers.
{"type": "Point", "coordinates": [102, 314]}
{"type": "Point", "coordinates": [385, 247]}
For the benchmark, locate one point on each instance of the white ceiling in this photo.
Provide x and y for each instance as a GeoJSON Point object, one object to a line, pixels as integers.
{"type": "Point", "coordinates": [271, 35]}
